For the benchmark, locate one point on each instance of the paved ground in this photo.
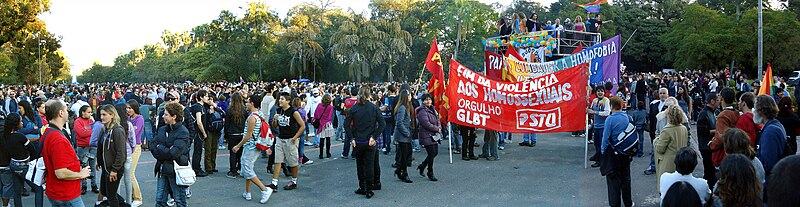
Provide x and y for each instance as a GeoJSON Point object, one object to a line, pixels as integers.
{"type": "Point", "coordinates": [550, 174]}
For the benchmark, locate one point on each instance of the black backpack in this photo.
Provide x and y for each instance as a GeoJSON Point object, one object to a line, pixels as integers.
{"type": "Point", "coordinates": [189, 121]}
{"type": "Point", "coordinates": [216, 121]}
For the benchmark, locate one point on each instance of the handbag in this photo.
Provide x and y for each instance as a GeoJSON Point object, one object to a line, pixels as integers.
{"type": "Point", "coordinates": [316, 121]}
{"type": "Point", "coordinates": [184, 175]}
{"type": "Point", "coordinates": [437, 137]}
{"type": "Point", "coordinates": [36, 168]}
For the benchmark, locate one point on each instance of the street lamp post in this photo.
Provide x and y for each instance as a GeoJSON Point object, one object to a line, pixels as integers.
{"type": "Point", "coordinates": [41, 74]}
{"type": "Point", "coordinates": [760, 40]}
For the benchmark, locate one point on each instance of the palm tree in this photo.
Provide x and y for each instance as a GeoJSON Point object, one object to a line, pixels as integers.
{"type": "Point", "coordinates": [397, 45]}
{"type": "Point", "coordinates": [355, 40]}
{"type": "Point", "coordinates": [302, 46]}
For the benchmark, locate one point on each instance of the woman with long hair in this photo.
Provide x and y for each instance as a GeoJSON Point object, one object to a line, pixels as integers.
{"type": "Point", "coordinates": [39, 103]}
{"type": "Point", "coordinates": [137, 121]}
{"type": "Point", "coordinates": [234, 132]}
{"type": "Point", "coordinates": [20, 152]}
{"type": "Point", "coordinates": [324, 113]}
{"type": "Point", "coordinates": [738, 184]}
{"type": "Point", "coordinates": [402, 133]}
{"type": "Point", "coordinates": [248, 148]}
{"type": "Point", "coordinates": [111, 153]}
{"type": "Point", "coordinates": [429, 127]}
{"type": "Point", "coordinates": [30, 127]}
{"type": "Point", "coordinates": [790, 121]}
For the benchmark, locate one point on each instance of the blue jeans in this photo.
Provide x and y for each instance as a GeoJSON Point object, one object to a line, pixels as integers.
{"type": "Point", "coordinates": [530, 138]}
{"type": "Point", "coordinates": [502, 136]}
{"type": "Point", "coordinates": [640, 133]}
{"type": "Point", "coordinates": [340, 125]}
{"type": "Point", "coordinates": [490, 146]}
{"type": "Point", "coordinates": [77, 202]}
{"type": "Point", "coordinates": [456, 141]}
{"type": "Point", "coordinates": [388, 130]}
{"type": "Point", "coordinates": [346, 149]}
{"type": "Point", "coordinates": [597, 137]}
{"type": "Point", "coordinates": [415, 144]}
{"type": "Point", "coordinates": [302, 144]}
{"type": "Point", "coordinates": [167, 186]}
{"type": "Point", "coordinates": [148, 130]}
{"type": "Point", "coordinates": [221, 137]}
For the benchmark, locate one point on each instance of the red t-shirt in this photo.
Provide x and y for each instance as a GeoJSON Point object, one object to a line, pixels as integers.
{"type": "Point", "coordinates": [349, 103]}
{"type": "Point", "coordinates": [58, 154]}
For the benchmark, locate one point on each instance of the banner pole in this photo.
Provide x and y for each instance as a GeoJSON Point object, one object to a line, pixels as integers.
{"type": "Point", "coordinates": [450, 141]}
{"type": "Point", "coordinates": [586, 133]}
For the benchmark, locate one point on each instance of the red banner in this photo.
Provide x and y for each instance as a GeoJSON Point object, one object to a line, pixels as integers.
{"type": "Point", "coordinates": [437, 84]}
{"type": "Point", "coordinates": [494, 65]}
{"type": "Point", "coordinates": [554, 102]}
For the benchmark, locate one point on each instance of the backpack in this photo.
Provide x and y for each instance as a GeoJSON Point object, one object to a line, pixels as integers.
{"type": "Point", "coordinates": [388, 114]}
{"type": "Point", "coordinates": [216, 120]}
{"type": "Point", "coordinates": [189, 121]}
{"type": "Point", "coordinates": [265, 136]}
{"type": "Point", "coordinates": [627, 142]}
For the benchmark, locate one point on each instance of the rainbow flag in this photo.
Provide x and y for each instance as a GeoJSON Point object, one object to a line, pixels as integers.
{"type": "Point", "coordinates": [591, 7]}
{"type": "Point", "coordinates": [767, 82]}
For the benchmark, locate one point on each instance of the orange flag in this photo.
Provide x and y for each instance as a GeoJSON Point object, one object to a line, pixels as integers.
{"type": "Point", "coordinates": [766, 82]}
{"type": "Point", "coordinates": [436, 86]}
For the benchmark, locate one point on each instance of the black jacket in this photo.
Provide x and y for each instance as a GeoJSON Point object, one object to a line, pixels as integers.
{"type": "Point", "coordinates": [171, 142]}
{"type": "Point", "coordinates": [651, 115]}
{"type": "Point", "coordinates": [112, 150]}
{"type": "Point", "coordinates": [706, 121]}
{"type": "Point", "coordinates": [363, 122]}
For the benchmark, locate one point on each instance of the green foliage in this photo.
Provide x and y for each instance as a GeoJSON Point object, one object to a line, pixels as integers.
{"type": "Point", "coordinates": [16, 15]}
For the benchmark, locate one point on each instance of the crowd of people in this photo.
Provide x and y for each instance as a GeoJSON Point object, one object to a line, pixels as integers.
{"type": "Point", "coordinates": [742, 139]}
{"type": "Point", "coordinates": [89, 137]}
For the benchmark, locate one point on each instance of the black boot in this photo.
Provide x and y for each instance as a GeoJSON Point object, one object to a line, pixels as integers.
{"type": "Point", "coordinates": [431, 177]}
{"type": "Point", "coordinates": [421, 169]}
{"type": "Point", "coordinates": [362, 188]}
{"type": "Point", "coordinates": [375, 186]}
{"type": "Point", "coordinates": [94, 188]}
{"type": "Point", "coordinates": [399, 174]}
{"type": "Point", "coordinates": [405, 178]}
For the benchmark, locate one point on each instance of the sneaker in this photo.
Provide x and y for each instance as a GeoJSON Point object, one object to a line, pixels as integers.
{"type": "Point", "coordinates": [492, 158]}
{"type": "Point", "coordinates": [649, 171]}
{"type": "Point", "coordinates": [523, 144]}
{"type": "Point", "coordinates": [532, 144]}
{"type": "Point", "coordinates": [247, 196]}
{"type": "Point", "coordinates": [171, 202]}
{"type": "Point", "coordinates": [200, 173]}
{"type": "Point", "coordinates": [590, 142]}
{"type": "Point", "coordinates": [344, 157]}
{"type": "Point", "coordinates": [136, 203]}
{"type": "Point", "coordinates": [290, 186]}
{"type": "Point", "coordinates": [188, 192]}
{"type": "Point", "coordinates": [501, 148]}
{"type": "Point", "coordinates": [273, 187]}
{"type": "Point", "coordinates": [223, 147]}
{"type": "Point", "coordinates": [309, 143]}
{"type": "Point", "coordinates": [265, 195]}
{"type": "Point", "coordinates": [232, 175]}
{"type": "Point", "coordinates": [308, 162]}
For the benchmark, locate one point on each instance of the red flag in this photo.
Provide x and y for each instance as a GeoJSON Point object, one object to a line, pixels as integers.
{"type": "Point", "coordinates": [511, 52]}
{"type": "Point", "coordinates": [578, 49]}
{"type": "Point", "coordinates": [436, 86]}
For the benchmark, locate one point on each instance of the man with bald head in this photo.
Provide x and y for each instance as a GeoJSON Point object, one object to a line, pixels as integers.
{"type": "Point", "coordinates": [656, 106]}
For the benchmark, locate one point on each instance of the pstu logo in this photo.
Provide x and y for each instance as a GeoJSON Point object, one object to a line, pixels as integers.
{"type": "Point", "coordinates": [539, 120]}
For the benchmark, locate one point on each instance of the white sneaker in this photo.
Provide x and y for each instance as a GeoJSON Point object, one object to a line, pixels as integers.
{"type": "Point", "coordinates": [136, 203]}
{"type": "Point", "coordinates": [247, 196]}
{"type": "Point", "coordinates": [309, 162]}
{"type": "Point", "coordinates": [171, 202]}
{"type": "Point", "coordinates": [265, 195]}
{"type": "Point", "coordinates": [188, 192]}
{"type": "Point", "coordinates": [309, 143]}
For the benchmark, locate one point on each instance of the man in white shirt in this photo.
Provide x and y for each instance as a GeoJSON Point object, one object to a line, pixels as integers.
{"type": "Point", "coordinates": [712, 86]}
{"type": "Point", "coordinates": [685, 162]}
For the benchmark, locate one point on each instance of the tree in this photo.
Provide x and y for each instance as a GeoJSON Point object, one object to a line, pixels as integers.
{"type": "Point", "coordinates": [17, 14]}
{"type": "Point", "coordinates": [397, 45]}
{"type": "Point", "coordinates": [356, 38]}
{"type": "Point", "coordinates": [702, 39]}
{"type": "Point", "coordinates": [301, 37]}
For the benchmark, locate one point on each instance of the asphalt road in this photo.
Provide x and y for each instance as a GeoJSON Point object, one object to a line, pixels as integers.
{"type": "Point", "coordinates": [550, 174]}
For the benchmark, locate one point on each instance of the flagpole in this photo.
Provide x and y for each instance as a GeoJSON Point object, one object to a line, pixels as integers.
{"type": "Point", "coordinates": [586, 133]}
{"type": "Point", "coordinates": [450, 141]}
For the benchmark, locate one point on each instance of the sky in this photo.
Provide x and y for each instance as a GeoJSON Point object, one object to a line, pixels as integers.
{"type": "Point", "coordinates": [100, 30]}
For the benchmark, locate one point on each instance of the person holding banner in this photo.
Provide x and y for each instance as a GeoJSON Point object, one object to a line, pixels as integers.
{"type": "Point", "coordinates": [601, 110]}
{"type": "Point", "coordinates": [429, 134]}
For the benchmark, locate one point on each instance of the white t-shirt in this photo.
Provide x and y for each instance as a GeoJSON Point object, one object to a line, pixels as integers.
{"type": "Point", "coordinates": [713, 85]}
{"type": "Point", "coordinates": [700, 185]}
